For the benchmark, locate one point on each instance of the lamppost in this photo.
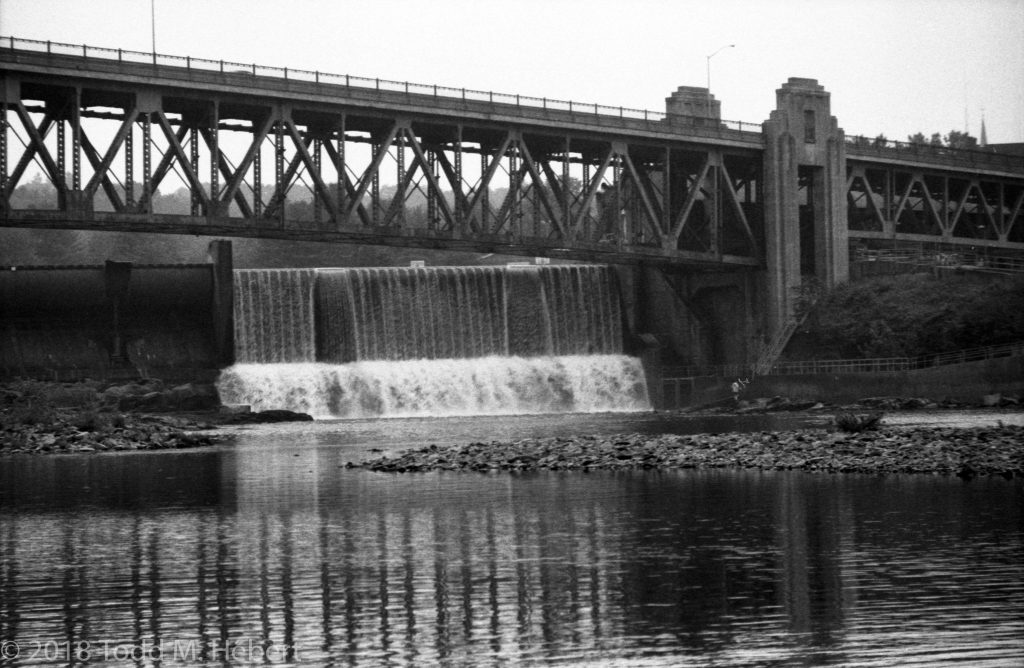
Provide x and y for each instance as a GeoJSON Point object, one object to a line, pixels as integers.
{"type": "Point", "coordinates": [727, 46]}
{"type": "Point", "coordinates": [152, 24]}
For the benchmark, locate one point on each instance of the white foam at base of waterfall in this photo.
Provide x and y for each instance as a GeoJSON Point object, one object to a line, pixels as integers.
{"type": "Point", "coordinates": [445, 387]}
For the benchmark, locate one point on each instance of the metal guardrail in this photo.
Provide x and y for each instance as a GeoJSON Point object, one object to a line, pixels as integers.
{"type": "Point", "coordinates": [968, 259]}
{"type": "Point", "coordinates": [351, 81]}
{"type": "Point", "coordinates": [857, 145]}
{"type": "Point", "coordinates": [870, 365]}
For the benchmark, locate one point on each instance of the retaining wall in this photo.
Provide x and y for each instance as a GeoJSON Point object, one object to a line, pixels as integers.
{"type": "Point", "coordinates": [967, 382]}
{"type": "Point", "coordinates": [69, 323]}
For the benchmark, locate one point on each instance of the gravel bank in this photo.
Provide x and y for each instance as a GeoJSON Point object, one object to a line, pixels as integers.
{"type": "Point", "coordinates": [995, 450]}
{"type": "Point", "coordinates": [70, 431]}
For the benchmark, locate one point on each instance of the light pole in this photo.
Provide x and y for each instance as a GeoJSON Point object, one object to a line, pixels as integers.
{"type": "Point", "coordinates": [727, 46]}
{"type": "Point", "coordinates": [152, 24]}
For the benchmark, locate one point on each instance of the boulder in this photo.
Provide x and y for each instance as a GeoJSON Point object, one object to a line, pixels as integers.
{"type": "Point", "coordinates": [271, 416]}
{"type": "Point", "coordinates": [193, 396]}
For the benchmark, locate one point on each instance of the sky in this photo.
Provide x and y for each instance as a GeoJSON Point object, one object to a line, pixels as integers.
{"type": "Point", "coordinates": [893, 67]}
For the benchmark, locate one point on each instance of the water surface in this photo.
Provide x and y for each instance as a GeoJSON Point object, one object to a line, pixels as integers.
{"type": "Point", "coordinates": [274, 547]}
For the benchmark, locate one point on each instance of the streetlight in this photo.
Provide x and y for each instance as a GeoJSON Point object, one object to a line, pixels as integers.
{"type": "Point", "coordinates": [152, 24]}
{"type": "Point", "coordinates": [727, 46]}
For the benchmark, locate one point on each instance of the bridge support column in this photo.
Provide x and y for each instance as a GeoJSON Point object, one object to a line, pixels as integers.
{"type": "Point", "coordinates": [222, 265]}
{"type": "Point", "coordinates": [806, 237]}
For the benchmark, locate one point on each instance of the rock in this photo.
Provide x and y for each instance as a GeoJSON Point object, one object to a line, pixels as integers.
{"type": "Point", "coordinates": [193, 396]}
{"type": "Point", "coordinates": [153, 401]}
{"type": "Point", "coordinates": [991, 400]}
{"type": "Point", "coordinates": [270, 416]}
{"type": "Point", "coordinates": [945, 450]}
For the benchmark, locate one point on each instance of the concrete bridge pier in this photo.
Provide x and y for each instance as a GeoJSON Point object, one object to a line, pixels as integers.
{"type": "Point", "coordinates": [713, 317]}
{"type": "Point", "coordinates": [806, 236]}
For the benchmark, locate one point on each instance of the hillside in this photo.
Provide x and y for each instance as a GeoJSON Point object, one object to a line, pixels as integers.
{"type": "Point", "coordinates": [911, 315]}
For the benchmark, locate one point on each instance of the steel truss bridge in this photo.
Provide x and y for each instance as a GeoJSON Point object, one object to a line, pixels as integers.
{"type": "Point", "coordinates": [279, 153]}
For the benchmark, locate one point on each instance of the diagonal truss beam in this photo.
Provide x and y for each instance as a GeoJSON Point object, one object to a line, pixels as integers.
{"type": "Point", "coordinates": [37, 146]}
{"type": "Point", "coordinates": [101, 167]}
{"type": "Point", "coordinates": [1015, 213]}
{"type": "Point", "coordinates": [26, 158]}
{"type": "Point", "coordinates": [691, 199]}
{"type": "Point", "coordinates": [302, 152]}
{"type": "Point", "coordinates": [653, 214]}
{"type": "Point", "coordinates": [101, 173]}
{"type": "Point", "coordinates": [869, 197]}
{"type": "Point", "coordinates": [982, 204]}
{"type": "Point", "coordinates": [461, 200]}
{"type": "Point", "coordinates": [960, 206]}
{"type": "Point", "coordinates": [234, 177]}
{"type": "Point", "coordinates": [274, 207]}
{"type": "Point", "coordinates": [371, 171]}
{"type": "Point", "coordinates": [514, 191]}
{"type": "Point", "coordinates": [350, 190]}
{"type": "Point", "coordinates": [926, 197]}
{"type": "Point", "coordinates": [590, 189]}
{"type": "Point", "coordinates": [402, 191]}
{"type": "Point", "coordinates": [175, 148]}
{"type": "Point", "coordinates": [542, 195]}
{"type": "Point", "coordinates": [492, 169]}
{"type": "Point", "coordinates": [166, 162]}
{"type": "Point", "coordinates": [432, 181]}
{"type": "Point", "coordinates": [741, 215]}
{"type": "Point", "coordinates": [234, 182]}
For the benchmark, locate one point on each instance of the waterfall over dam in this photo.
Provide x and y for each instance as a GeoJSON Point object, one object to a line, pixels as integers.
{"type": "Point", "coordinates": [431, 341]}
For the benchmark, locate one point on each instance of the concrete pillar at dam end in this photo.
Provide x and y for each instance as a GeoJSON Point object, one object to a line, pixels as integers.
{"type": "Point", "coordinates": [222, 265]}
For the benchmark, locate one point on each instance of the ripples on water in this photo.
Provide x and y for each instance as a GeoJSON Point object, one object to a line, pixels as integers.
{"type": "Point", "coordinates": [275, 542]}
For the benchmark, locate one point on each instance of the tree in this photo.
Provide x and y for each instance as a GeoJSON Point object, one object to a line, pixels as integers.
{"type": "Point", "coordinates": [957, 139]}
{"type": "Point", "coordinates": [920, 139]}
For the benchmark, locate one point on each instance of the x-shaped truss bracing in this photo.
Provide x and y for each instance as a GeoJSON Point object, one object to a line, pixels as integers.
{"type": "Point", "coordinates": [918, 204]}
{"type": "Point", "coordinates": [206, 164]}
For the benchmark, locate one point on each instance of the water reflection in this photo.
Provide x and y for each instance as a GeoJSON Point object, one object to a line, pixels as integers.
{"type": "Point", "coordinates": [285, 552]}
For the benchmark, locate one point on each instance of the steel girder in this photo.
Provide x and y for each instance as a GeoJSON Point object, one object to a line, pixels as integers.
{"type": "Point", "coordinates": [885, 201]}
{"type": "Point", "coordinates": [188, 163]}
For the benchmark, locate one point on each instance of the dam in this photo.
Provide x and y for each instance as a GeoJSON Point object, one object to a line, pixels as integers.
{"type": "Point", "coordinates": [431, 341]}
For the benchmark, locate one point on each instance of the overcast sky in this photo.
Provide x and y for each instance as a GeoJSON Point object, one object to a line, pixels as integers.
{"type": "Point", "coordinates": [892, 66]}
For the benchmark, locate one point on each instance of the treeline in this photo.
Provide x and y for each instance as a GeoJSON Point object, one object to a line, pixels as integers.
{"type": "Point", "coordinates": [912, 315]}
{"type": "Point", "coordinates": [955, 139]}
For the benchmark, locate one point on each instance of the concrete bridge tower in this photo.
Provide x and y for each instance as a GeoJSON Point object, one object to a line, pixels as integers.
{"type": "Point", "coordinates": [806, 238]}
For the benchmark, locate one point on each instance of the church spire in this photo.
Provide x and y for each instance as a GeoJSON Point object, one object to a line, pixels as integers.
{"type": "Point", "coordinates": [983, 141]}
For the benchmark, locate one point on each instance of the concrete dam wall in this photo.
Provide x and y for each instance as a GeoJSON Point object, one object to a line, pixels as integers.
{"type": "Point", "coordinates": [107, 321]}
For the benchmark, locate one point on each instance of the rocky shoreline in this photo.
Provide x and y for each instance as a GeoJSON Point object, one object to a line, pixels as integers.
{"type": "Point", "coordinates": [43, 418]}
{"type": "Point", "coordinates": [997, 450]}
{"type": "Point", "coordinates": [82, 432]}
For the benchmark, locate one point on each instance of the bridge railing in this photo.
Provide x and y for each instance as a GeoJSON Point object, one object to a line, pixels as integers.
{"type": "Point", "coordinates": [385, 85]}
{"type": "Point", "coordinates": [863, 147]}
{"type": "Point", "coordinates": [941, 255]}
{"type": "Point", "coordinates": [673, 375]}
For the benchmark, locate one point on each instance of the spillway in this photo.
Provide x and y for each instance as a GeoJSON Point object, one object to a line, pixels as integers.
{"type": "Point", "coordinates": [418, 341]}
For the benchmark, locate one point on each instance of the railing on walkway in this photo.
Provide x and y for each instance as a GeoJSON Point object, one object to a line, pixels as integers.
{"type": "Point", "coordinates": [351, 81]}
{"type": "Point", "coordinates": [871, 365]}
{"type": "Point", "coordinates": [920, 255]}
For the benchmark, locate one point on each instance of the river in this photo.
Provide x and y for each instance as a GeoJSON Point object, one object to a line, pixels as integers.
{"type": "Point", "coordinates": [269, 548]}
